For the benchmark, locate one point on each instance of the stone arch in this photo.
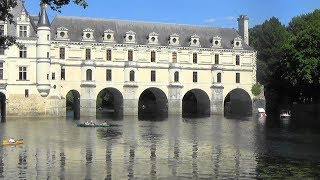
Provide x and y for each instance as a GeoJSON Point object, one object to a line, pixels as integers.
{"type": "Point", "coordinates": [109, 103]}
{"type": "Point", "coordinates": [196, 103]}
{"type": "Point", "coordinates": [153, 104]}
{"type": "Point", "coordinates": [3, 107]}
{"type": "Point", "coordinates": [238, 103]}
{"type": "Point", "coordinates": [73, 104]}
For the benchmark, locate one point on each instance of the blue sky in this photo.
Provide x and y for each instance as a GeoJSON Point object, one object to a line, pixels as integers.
{"type": "Point", "coordinates": [197, 12]}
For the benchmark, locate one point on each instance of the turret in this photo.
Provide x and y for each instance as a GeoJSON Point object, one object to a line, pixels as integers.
{"type": "Point", "coordinates": [43, 53]}
{"type": "Point", "coordinates": [243, 28]}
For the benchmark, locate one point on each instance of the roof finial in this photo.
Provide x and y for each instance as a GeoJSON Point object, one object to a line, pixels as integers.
{"type": "Point", "coordinates": [43, 19]}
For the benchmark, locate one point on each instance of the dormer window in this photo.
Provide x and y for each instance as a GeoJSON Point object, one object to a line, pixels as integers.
{"type": "Point", "coordinates": [130, 37]}
{"type": "Point", "coordinates": [87, 35]}
{"type": "Point", "coordinates": [62, 33]}
{"type": "Point", "coordinates": [216, 42]}
{"type": "Point", "coordinates": [108, 36]}
{"type": "Point", "coordinates": [23, 28]}
{"type": "Point", "coordinates": [174, 40]}
{"type": "Point", "coordinates": [195, 41]}
{"type": "Point", "coordinates": [153, 38]}
{"type": "Point", "coordinates": [237, 43]}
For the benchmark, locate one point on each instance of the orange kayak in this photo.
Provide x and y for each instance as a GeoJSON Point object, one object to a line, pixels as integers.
{"type": "Point", "coordinates": [6, 142]}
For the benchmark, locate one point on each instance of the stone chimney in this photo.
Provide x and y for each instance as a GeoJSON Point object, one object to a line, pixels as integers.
{"type": "Point", "coordinates": [243, 28]}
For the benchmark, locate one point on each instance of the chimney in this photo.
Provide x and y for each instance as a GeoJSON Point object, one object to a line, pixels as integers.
{"type": "Point", "coordinates": [243, 28]}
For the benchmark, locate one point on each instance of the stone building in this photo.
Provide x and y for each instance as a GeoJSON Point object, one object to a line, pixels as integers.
{"type": "Point", "coordinates": [132, 67]}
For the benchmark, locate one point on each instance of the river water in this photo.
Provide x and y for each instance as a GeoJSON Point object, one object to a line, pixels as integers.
{"type": "Point", "coordinates": [174, 148]}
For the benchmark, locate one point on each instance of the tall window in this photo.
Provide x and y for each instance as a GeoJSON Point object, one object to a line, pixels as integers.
{"type": "Point", "coordinates": [174, 57]}
{"type": "Point", "coordinates": [130, 55]}
{"type": "Point", "coordinates": [153, 76]}
{"type": "Point", "coordinates": [108, 54]}
{"type": "Point", "coordinates": [195, 76]}
{"type": "Point", "coordinates": [89, 75]}
{"type": "Point", "coordinates": [176, 76]}
{"type": "Point", "coordinates": [23, 52]}
{"type": "Point", "coordinates": [219, 78]}
{"type": "Point", "coordinates": [1, 71]}
{"type": "Point", "coordinates": [63, 73]}
{"type": "Point", "coordinates": [237, 77]}
{"type": "Point", "coordinates": [108, 75]}
{"type": "Point", "coordinates": [88, 54]}
{"type": "Point", "coordinates": [195, 58]}
{"type": "Point", "coordinates": [62, 53]}
{"type": "Point", "coordinates": [1, 30]}
{"type": "Point", "coordinates": [153, 56]}
{"type": "Point", "coordinates": [22, 31]}
{"type": "Point", "coordinates": [1, 51]}
{"type": "Point", "coordinates": [23, 73]}
{"type": "Point", "coordinates": [131, 75]}
{"type": "Point", "coordinates": [237, 59]}
{"type": "Point", "coordinates": [216, 59]}
{"type": "Point", "coordinates": [53, 76]}
{"type": "Point", "coordinates": [26, 93]}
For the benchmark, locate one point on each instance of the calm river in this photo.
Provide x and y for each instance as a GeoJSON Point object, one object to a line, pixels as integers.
{"type": "Point", "coordinates": [175, 148]}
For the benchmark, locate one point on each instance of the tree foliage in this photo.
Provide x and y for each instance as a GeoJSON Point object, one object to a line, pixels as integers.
{"type": "Point", "coordinates": [256, 89]}
{"type": "Point", "coordinates": [7, 16]}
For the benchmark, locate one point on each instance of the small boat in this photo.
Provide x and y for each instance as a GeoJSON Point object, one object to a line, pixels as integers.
{"type": "Point", "coordinates": [262, 112]}
{"type": "Point", "coordinates": [285, 114]}
{"type": "Point", "coordinates": [17, 142]}
{"type": "Point", "coordinates": [93, 125]}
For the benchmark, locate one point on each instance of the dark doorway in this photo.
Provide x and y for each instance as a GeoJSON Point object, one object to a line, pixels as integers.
{"type": "Point", "coordinates": [237, 103]}
{"type": "Point", "coordinates": [196, 103]}
{"type": "Point", "coordinates": [73, 104]}
{"type": "Point", "coordinates": [3, 107]}
{"type": "Point", "coordinates": [110, 104]}
{"type": "Point", "coordinates": [153, 104]}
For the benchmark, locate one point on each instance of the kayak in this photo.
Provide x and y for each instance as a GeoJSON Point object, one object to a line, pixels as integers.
{"type": "Point", "coordinates": [6, 142]}
{"type": "Point", "coordinates": [93, 125]}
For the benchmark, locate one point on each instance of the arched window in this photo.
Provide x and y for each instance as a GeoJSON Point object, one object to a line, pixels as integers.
{"type": "Point", "coordinates": [89, 75]}
{"type": "Point", "coordinates": [219, 78]}
{"type": "Point", "coordinates": [131, 75]}
{"type": "Point", "coordinates": [176, 76]}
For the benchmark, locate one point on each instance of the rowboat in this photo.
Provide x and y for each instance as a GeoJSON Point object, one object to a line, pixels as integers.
{"type": "Point", "coordinates": [6, 142]}
{"type": "Point", "coordinates": [93, 125]}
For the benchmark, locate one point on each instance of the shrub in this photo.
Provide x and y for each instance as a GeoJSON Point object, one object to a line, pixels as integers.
{"type": "Point", "coordinates": [256, 89]}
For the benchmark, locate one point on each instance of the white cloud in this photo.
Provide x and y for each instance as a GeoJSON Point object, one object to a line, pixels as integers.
{"type": "Point", "coordinates": [219, 19]}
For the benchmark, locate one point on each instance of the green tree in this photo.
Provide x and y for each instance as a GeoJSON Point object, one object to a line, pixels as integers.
{"type": "Point", "coordinates": [7, 16]}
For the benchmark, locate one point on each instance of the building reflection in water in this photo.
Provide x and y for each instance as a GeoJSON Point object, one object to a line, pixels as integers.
{"type": "Point", "coordinates": [89, 153]}
{"type": "Point", "coordinates": [108, 160]}
{"type": "Point", "coordinates": [22, 164]}
{"type": "Point", "coordinates": [130, 168]}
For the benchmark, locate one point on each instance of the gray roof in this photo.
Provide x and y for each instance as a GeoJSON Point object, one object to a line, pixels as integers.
{"type": "Point", "coordinates": [43, 18]}
{"type": "Point", "coordinates": [76, 25]}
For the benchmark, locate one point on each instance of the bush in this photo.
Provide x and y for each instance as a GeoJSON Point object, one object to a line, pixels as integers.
{"type": "Point", "coordinates": [256, 89]}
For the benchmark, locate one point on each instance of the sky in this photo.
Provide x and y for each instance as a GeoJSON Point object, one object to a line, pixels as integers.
{"type": "Point", "coordinates": [221, 13]}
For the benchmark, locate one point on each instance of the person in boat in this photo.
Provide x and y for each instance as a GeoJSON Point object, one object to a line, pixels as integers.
{"type": "Point", "coordinates": [105, 123]}
{"type": "Point", "coordinates": [92, 123]}
{"type": "Point", "coordinates": [11, 140]}
{"type": "Point", "coordinates": [86, 123]}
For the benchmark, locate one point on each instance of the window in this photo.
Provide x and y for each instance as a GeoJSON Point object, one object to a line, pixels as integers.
{"type": "Point", "coordinates": [63, 73]}
{"type": "Point", "coordinates": [26, 93]}
{"type": "Point", "coordinates": [108, 54]}
{"type": "Point", "coordinates": [48, 37]}
{"type": "Point", "coordinates": [130, 55]}
{"type": "Point", "coordinates": [153, 76]}
{"type": "Point", "coordinates": [88, 54]}
{"type": "Point", "coordinates": [108, 74]}
{"type": "Point", "coordinates": [176, 76]}
{"type": "Point", "coordinates": [237, 77]}
{"type": "Point", "coordinates": [153, 56]}
{"type": "Point", "coordinates": [219, 78]}
{"type": "Point", "coordinates": [195, 58]}
{"type": "Point", "coordinates": [131, 75]}
{"type": "Point", "coordinates": [216, 59]}
{"type": "Point", "coordinates": [237, 60]}
{"type": "Point", "coordinates": [1, 71]}
{"type": "Point", "coordinates": [48, 55]}
{"type": "Point", "coordinates": [23, 31]}
{"type": "Point", "coordinates": [1, 51]}
{"type": "Point", "coordinates": [23, 52]}
{"type": "Point", "coordinates": [62, 53]}
{"type": "Point", "coordinates": [174, 57]}
{"type": "Point", "coordinates": [195, 77]}
{"type": "Point", "coordinates": [53, 76]}
{"type": "Point", "coordinates": [23, 73]}
{"type": "Point", "coordinates": [89, 75]}
{"type": "Point", "coordinates": [1, 30]}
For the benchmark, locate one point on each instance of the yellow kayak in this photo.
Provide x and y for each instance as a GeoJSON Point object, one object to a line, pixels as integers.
{"type": "Point", "coordinates": [6, 142]}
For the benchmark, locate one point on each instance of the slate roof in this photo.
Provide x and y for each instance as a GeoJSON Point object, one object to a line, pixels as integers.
{"type": "Point", "coordinates": [76, 25]}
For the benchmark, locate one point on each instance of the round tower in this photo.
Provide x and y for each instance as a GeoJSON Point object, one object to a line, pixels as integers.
{"type": "Point", "coordinates": [43, 53]}
{"type": "Point", "coordinates": [243, 27]}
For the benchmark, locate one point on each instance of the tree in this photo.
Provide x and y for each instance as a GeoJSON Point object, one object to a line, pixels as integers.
{"type": "Point", "coordinates": [7, 16]}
